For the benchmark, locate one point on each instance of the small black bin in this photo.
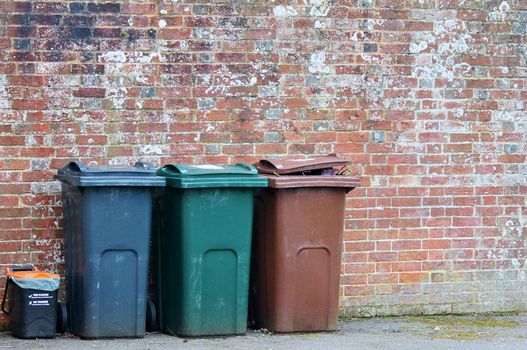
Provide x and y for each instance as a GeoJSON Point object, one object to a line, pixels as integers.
{"type": "Point", "coordinates": [32, 306]}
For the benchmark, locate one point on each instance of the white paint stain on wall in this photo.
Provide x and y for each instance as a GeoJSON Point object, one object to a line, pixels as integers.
{"type": "Point", "coordinates": [317, 64]}
{"type": "Point", "coordinates": [284, 11]}
{"type": "Point", "coordinates": [369, 24]}
{"type": "Point", "coordinates": [117, 95]}
{"type": "Point", "coordinates": [141, 79]}
{"type": "Point", "coordinates": [369, 58]}
{"type": "Point", "coordinates": [4, 93]}
{"type": "Point", "coordinates": [320, 8]}
{"type": "Point", "coordinates": [500, 13]}
{"type": "Point", "coordinates": [209, 128]}
{"type": "Point", "coordinates": [452, 40]}
{"type": "Point", "coordinates": [119, 56]}
{"type": "Point", "coordinates": [418, 47]}
{"type": "Point", "coordinates": [153, 150]}
{"type": "Point", "coordinates": [320, 24]}
{"type": "Point", "coordinates": [216, 90]}
{"type": "Point", "coordinates": [113, 56]}
{"type": "Point", "coordinates": [357, 36]}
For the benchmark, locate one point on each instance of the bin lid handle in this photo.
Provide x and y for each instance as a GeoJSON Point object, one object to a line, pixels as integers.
{"type": "Point", "coordinates": [74, 167]}
{"type": "Point", "coordinates": [174, 167]}
{"type": "Point", "coordinates": [247, 166]}
{"type": "Point", "coordinates": [14, 268]}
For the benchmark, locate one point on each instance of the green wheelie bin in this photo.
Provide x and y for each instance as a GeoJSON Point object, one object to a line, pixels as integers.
{"type": "Point", "coordinates": [203, 242]}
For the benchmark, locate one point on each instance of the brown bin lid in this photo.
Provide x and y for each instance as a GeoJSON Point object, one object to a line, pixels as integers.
{"type": "Point", "coordinates": [295, 165]}
{"type": "Point", "coordinates": [347, 182]}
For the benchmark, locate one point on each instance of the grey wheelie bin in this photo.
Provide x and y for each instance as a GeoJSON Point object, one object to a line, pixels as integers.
{"type": "Point", "coordinates": [107, 228]}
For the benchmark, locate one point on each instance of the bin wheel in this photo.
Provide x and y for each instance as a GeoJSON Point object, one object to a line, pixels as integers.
{"type": "Point", "coordinates": [151, 316]}
{"type": "Point", "coordinates": [62, 317]}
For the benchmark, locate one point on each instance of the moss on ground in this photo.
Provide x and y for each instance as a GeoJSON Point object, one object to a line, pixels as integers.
{"type": "Point", "coordinates": [463, 328]}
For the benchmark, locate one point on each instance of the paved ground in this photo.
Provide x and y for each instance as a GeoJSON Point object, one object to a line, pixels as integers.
{"type": "Point", "coordinates": [431, 333]}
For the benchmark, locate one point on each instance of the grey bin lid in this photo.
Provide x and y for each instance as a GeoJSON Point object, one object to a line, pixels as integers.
{"type": "Point", "coordinates": [79, 174]}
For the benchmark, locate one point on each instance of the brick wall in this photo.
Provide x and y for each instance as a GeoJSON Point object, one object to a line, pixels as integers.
{"type": "Point", "coordinates": [426, 96]}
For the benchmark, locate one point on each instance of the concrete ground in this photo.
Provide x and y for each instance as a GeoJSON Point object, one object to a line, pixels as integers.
{"type": "Point", "coordinates": [479, 332]}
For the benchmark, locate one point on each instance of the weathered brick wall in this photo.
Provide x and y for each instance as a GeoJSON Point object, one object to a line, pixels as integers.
{"type": "Point", "coordinates": [426, 96]}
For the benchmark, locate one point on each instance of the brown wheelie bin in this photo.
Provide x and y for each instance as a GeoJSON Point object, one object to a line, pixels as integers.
{"type": "Point", "coordinates": [297, 245]}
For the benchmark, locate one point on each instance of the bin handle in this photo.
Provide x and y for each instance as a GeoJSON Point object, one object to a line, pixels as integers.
{"type": "Point", "coordinates": [20, 268]}
{"type": "Point", "coordinates": [76, 166]}
{"type": "Point", "coordinates": [247, 166]}
{"type": "Point", "coordinates": [5, 295]}
{"type": "Point", "coordinates": [144, 165]}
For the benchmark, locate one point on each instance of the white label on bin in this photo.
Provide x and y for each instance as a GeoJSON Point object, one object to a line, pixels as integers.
{"type": "Point", "coordinates": [39, 299]}
{"type": "Point", "coordinates": [40, 296]}
{"type": "Point", "coordinates": [207, 166]}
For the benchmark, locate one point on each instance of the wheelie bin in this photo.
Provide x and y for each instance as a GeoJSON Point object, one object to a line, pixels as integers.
{"type": "Point", "coordinates": [297, 248]}
{"type": "Point", "coordinates": [107, 230]}
{"type": "Point", "coordinates": [204, 219]}
{"type": "Point", "coordinates": [32, 306]}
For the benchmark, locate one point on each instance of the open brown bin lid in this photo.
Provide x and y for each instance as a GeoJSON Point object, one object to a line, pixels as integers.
{"type": "Point", "coordinates": [274, 168]}
{"type": "Point", "coordinates": [296, 165]}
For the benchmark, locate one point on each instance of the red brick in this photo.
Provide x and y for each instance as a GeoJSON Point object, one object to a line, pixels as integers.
{"type": "Point", "coordinates": [26, 80]}
{"type": "Point", "coordinates": [414, 277]}
{"type": "Point", "coordinates": [175, 33]}
{"type": "Point", "coordinates": [413, 255]}
{"type": "Point", "coordinates": [382, 278]}
{"type": "Point", "coordinates": [12, 140]}
{"type": "Point", "coordinates": [89, 92]}
{"type": "Point", "coordinates": [29, 104]}
{"type": "Point", "coordinates": [139, 8]}
{"type": "Point", "coordinates": [405, 266]}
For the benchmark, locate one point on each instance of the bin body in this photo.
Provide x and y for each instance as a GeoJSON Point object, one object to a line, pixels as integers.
{"type": "Point", "coordinates": [204, 246]}
{"type": "Point", "coordinates": [32, 309]}
{"type": "Point", "coordinates": [107, 226]}
{"type": "Point", "coordinates": [29, 321]}
{"type": "Point", "coordinates": [297, 251]}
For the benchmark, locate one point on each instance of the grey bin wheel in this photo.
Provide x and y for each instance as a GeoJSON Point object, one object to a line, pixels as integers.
{"type": "Point", "coordinates": [62, 317]}
{"type": "Point", "coordinates": [151, 316]}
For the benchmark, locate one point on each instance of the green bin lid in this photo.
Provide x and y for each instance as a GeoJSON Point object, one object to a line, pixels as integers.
{"type": "Point", "coordinates": [211, 175]}
{"type": "Point", "coordinates": [79, 174]}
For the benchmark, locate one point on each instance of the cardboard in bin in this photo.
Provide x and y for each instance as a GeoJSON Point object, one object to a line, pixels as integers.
{"type": "Point", "coordinates": [300, 165]}
{"type": "Point", "coordinates": [291, 173]}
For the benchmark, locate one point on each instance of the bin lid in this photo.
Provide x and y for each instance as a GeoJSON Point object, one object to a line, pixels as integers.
{"type": "Point", "coordinates": [297, 181]}
{"type": "Point", "coordinates": [211, 175]}
{"type": "Point", "coordinates": [298, 165]}
{"type": "Point", "coordinates": [32, 275]}
{"type": "Point", "coordinates": [79, 174]}
{"type": "Point", "coordinates": [37, 280]}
